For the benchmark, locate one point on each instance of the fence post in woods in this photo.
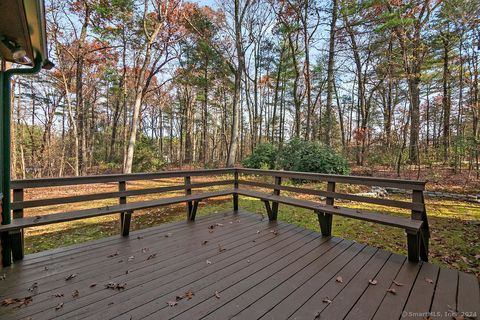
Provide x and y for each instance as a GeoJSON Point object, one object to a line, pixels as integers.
{"type": "Point", "coordinates": [325, 219]}
{"type": "Point", "coordinates": [235, 186]}
{"type": "Point", "coordinates": [188, 191]}
{"type": "Point", "coordinates": [17, 237]}
{"type": "Point", "coordinates": [125, 217]}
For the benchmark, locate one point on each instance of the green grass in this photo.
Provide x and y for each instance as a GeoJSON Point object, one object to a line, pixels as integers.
{"type": "Point", "coordinates": [454, 228]}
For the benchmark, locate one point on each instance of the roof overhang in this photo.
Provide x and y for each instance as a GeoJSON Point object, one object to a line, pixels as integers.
{"type": "Point", "coordinates": [22, 31]}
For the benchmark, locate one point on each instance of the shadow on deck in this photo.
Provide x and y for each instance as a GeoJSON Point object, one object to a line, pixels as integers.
{"type": "Point", "coordinates": [232, 266]}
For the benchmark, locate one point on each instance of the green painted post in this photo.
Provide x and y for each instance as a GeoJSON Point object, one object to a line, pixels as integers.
{"type": "Point", "coordinates": [5, 139]}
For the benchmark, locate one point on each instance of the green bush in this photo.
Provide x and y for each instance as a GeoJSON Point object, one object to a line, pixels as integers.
{"type": "Point", "coordinates": [264, 156]}
{"type": "Point", "coordinates": [307, 156]}
{"type": "Point", "coordinates": [145, 158]}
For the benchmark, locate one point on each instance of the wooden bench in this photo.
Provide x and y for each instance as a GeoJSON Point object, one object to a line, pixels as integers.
{"type": "Point", "coordinates": [416, 226]}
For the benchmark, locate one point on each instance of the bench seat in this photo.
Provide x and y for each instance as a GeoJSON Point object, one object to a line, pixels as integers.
{"type": "Point", "coordinates": [394, 221]}
{"type": "Point", "coordinates": [27, 222]}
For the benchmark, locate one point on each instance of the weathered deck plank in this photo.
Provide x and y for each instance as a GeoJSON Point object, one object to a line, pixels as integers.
{"type": "Point", "coordinates": [267, 271]}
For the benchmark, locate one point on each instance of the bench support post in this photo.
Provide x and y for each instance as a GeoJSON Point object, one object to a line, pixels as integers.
{"type": "Point", "coordinates": [413, 243]}
{"type": "Point", "coordinates": [188, 191]}
{"type": "Point", "coordinates": [17, 236]}
{"type": "Point", "coordinates": [424, 235]}
{"type": "Point", "coordinates": [6, 249]}
{"type": "Point", "coordinates": [271, 217]}
{"type": "Point", "coordinates": [325, 219]}
{"type": "Point", "coordinates": [235, 195]}
{"type": "Point", "coordinates": [193, 213]}
{"type": "Point", "coordinates": [122, 186]}
{"type": "Point", "coordinates": [276, 192]}
{"type": "Point", "coordinates": [127, 217]}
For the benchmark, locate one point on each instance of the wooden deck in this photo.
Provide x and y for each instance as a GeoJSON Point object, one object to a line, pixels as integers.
{"type": "Point", "coordinates": [249, 269]}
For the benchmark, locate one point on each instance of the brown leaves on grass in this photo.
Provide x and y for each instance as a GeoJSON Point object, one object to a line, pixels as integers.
{"type": "Point", "coordinates": [372, 282]}
{"type": "Point", "coordinates": [70, 277]}
{"type": "Point", "coordinates": [339, 279]}
{"type": "Point", "coordinates": [115, 286]}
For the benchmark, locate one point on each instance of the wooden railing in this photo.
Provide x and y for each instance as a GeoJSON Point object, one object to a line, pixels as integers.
{"type": "Point", "coordinates": [241, 180]}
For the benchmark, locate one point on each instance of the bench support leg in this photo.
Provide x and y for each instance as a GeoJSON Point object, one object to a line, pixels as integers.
{"type": "Point", "coordinates": [6, 249]}
{"type": "Point", "coordinates": [271, 215]}
{"type": "Point", "coordinates": [16, 243]}
{"type": "Point", "coordinates": [193, 212]}
{"type": "Point", "coordinates": [325, 221]}
{"type": "Point", "coordinates": [127, 217]}
{"type": "Point", "coordinates": [413, 241]}
{"type": "Point", "coordinates": [424, 239]}
{"type": "Point", "coordinates": [235, 202]}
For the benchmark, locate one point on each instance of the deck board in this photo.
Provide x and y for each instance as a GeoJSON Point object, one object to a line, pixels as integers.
{"type": "Point", "coordinates": [268, 270]}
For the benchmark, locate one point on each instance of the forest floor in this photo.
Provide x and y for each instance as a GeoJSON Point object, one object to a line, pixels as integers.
{"type": "Point", "coordinates": [455, 226]}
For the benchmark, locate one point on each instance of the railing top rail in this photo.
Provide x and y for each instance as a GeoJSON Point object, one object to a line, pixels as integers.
{"type": "Point", "coordinates": [361, 180]}
{"type": "Point", "coordinates": [67, 181]}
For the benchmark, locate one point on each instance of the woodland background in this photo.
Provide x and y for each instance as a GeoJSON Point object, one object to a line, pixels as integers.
{"type": "Point", "coordinates": [141, 85]}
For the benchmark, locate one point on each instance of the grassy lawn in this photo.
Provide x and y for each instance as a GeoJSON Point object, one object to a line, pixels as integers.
{"type": "Point", "coordinates": [455, 226]}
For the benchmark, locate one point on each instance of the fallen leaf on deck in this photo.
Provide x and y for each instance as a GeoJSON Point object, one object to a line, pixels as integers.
{"type": "Point", "coordinates": [172, 303]}
{"type": "Point", "coordinates": [113, 286]}
{"type": "Point", "coordinates": [221, 248]}
{"type": "Point", "coordinates": [144, 250]}
{"type": "Point", "coordinates": [58, 295]}
{"type": "Point", "coordinates": [372, 282]}
{"type": "Point", "coordinates": [9, 301]}
{"type": "Point", "coordinates": [398, 283]}
{"type": "Point", "coordinates": [326, 300]}
{"type": "Point", "coordinates": [392, 291]}
{"type": "Point", "coordinates": [153, 255]}
{"type": "Point", "coordinates": [178, 298]}
{"type": "Point", "coordinates": [210, 231]}
{"type": "Point", "coordinates": [139, 237]}
{"type": "Point", "coordinates": [209, 262]}
{"type": "Point", "coordinates": [113, 255]}
{"type": "Point", "coordinates": [317, 315]}
{"type": "Point", "coordinates": [274, 231]}
{"type": "Point", "coordinates": [75, 294]}
{"type": "Point", "coordinates": [189, 294]}
{"type": "Point", "coordinates": [3, 277]}
{"type": "Point", "coordinates": [33, 287]}
{"type": "Point", "coordinates": [237, 221]}
{"type": "Point", "coordinates": [46, 268]}
{"type": "Point", "coordinates": [339, 279]}
{"type": "Point", "coordinates": [258, 231]}
{"type": "Point", "coordinates": [211, 227]}
{"type": "Point", "coordinates": [168, 235]}
{"type": "Point", "coordinates": [217, 295]}
{"type": "Point", "coordinates": [23, 302]}
{"type": "Point", "coordinates": [59, 306]}
{"type": "Point", "coordinates": [219, 224]}
{"type": "Point", "coordinates": [70, 277]}
{"type": "Point", "coordinates": [131, 258]}
{"type": "Point", "coordinates": [93, 285]}
{"type": "Point", "coordinates": [429, 280]}
{"type": "Point", "coordinates": [204, 242]}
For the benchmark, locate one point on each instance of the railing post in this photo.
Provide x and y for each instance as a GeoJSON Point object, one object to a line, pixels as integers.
{"type": "Point", "coordinates": [125, 217]}
{"type": "Point", "coordinates": [325, 219]}
{"type": "Point", "coordinates": [17, 236]}
{"type": "Point", "coordinates": [423, 237]}
{"type": "Point", "coordinates": [276, 192]}
{"type": "Point", "coordinates": [188, 191]}
{"type": "Point", "coordinates": [235, 187]}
